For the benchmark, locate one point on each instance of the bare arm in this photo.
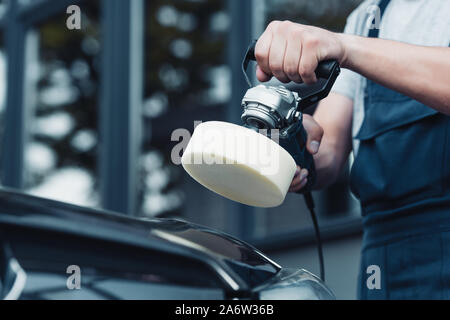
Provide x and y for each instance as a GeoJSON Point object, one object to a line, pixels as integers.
{"type": "Point", "coordinates": [422, 73]}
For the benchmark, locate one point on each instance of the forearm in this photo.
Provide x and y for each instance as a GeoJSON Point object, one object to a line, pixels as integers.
{"type": "Point", "coordinates": [328, 164]}
{"type": "Point", "coordinates": [422, 73]}
{"type": "Point", "coordinates": [334, 114]}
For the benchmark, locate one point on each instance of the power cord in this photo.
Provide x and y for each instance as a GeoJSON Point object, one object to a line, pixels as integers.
{"type": "Point", "coordinates": [310, 204]}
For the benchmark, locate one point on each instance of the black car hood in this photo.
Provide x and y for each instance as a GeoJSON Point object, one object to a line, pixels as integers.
{"type": "Point", "coordinates": [168, 235]}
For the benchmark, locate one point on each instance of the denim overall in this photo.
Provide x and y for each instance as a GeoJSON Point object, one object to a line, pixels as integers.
{"type": "Point", "coordinates": [401, 174]}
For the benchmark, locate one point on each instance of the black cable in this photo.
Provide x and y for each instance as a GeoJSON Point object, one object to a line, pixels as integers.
{"type": "Point", "coordinates": [310, 204]}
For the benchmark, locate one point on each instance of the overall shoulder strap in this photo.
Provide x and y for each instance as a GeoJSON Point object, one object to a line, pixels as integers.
{"type": "Point", "coordinates": [373, 33]}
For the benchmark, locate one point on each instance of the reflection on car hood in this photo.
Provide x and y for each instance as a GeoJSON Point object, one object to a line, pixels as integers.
{"type": "Point", "coordinates": [170, 235]}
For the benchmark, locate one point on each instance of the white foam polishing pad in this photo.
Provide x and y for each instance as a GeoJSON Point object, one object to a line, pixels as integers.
{"type": "Point", "coordinates": [239, 164]}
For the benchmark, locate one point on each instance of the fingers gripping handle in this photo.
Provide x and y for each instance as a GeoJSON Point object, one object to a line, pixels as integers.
{"type": "Point", "coordinates": [327, 69]}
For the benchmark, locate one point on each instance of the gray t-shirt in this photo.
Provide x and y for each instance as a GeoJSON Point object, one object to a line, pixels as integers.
{"type": "Point", "coordinates": [420, 22]}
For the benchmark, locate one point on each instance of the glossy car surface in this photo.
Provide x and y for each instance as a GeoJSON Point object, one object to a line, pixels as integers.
{"type": "Point", "coordinates": [54, 250]}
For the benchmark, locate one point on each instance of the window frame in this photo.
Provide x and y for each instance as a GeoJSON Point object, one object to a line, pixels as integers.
{"type": "Point", "coordinates": [119, 110]}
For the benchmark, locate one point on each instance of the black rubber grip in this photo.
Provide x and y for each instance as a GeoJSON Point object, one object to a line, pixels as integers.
{"type": "Point", "coordinates": [326, 68]}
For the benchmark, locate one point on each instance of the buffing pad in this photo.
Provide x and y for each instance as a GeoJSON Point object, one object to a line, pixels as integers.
{"type": "Point", "coordinates": [239, 164]}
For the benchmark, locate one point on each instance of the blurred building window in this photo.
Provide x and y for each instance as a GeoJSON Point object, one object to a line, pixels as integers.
{"type": "Point", "coordinates": [61, 153]}
{"type": "Point", "coordinates": [329, 14]}
{"type": "Point", "coordinates": [186, 79]}
{"type": "Point", "coordinates": [4, 5]}
{"type": "Point", "coordinates": [3, 65]}
{"type": "Point", "coordinates": [26, 2]}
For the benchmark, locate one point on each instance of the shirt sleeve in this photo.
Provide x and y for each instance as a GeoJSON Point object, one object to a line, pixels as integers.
{"type": "Point", "coordinates": [347, 81]}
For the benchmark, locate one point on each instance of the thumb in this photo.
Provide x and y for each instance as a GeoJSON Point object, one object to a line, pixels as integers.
{"type": "Point", "coordinates": [315, 134]}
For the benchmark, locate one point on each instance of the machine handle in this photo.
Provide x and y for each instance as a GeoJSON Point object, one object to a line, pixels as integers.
{"type": "Point", "coordinates": [326, 69]}
{"type": "Point", "coordinates": [306, 161]}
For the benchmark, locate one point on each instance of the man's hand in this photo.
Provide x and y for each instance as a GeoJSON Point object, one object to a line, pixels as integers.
{"type": "Point", "coordinates": [315, 133]}
{"type": "Point", "coordinates": [291, 51]}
